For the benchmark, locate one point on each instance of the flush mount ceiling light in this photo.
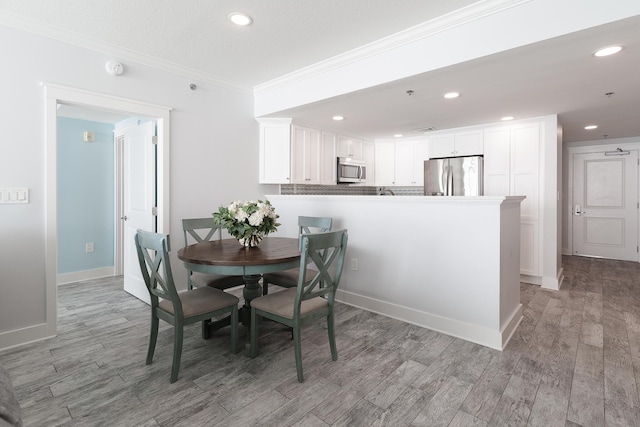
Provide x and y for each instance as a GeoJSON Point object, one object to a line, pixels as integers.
{"type": "Point", "coordinates": [397, 135]}
{"type": "Point", "coordinates": [451, 95]}
{"type": "Point", "coordinates": [507, 118]}
{"type": "Point", "coordinates": [606, 51]}
{"type": "Point", "coordinates": [338, 118]}
{"type": "Point", "coordinates": [240, 18]}
{"type": "Point", "coordinates": [591, 127]}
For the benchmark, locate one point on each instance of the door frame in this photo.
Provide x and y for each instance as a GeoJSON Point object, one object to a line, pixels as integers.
{"type": "Point", "coordinates": [55, 94]}
{"type": "Point", "coordinates": [588, 149]}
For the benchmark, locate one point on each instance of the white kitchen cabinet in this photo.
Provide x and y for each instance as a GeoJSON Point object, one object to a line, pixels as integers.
{"type": "Point", "coordinates": [350, 147]}
{"type": "Point", "coordinates": [469, 143]}
{"type": "Point", "coordinates": [369, 161]}
{"type": "Point", "coordinates": [464, 143]}
{"type": "Point", "coordinates": [497, 161]}
{"type": "Point", "coordinates": [385, 164]}
{"type": "Point", "coordinates": [275, 151]}
{"type": "Point", "coordinates": [305, 155]}
{"type": "Point", "coordinates": [511, 168]}
{"type": "Point", "coordinates": [409, 162]}
{"type": "Point", "coordinates": [328, 164]}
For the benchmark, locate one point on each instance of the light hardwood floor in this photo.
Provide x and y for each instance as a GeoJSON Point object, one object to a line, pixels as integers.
{"type": "Point", "coordinates": [574, 360]}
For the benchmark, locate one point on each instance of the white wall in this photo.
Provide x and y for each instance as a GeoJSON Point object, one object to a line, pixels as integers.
{"type": "Point", "coordinates": [214, 154]}
{"type": "Point", "coordinates": [413, 266]}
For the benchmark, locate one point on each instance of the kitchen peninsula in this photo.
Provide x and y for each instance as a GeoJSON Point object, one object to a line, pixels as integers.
{"type": "Point", "coordinates": [450, 264]}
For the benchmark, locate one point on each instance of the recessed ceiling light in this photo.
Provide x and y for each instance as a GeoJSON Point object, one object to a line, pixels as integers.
{"type": "Point", "coordinates": [606, 51]}
{"type": "Point", "coordinates": [240, 18]}
{"type": "Point", "coordinates": [591, 127]}
{"type": "Point", "coordinates": [451, 95]}
{"type": "Point", "coordinates": [397, 135]}
{"type": "Point", "coordinates": [507, 118]}
{"type": "Point", "coordinates": [338, 118]}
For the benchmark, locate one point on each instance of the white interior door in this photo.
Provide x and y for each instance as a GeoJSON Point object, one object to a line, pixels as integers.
{"type": "Point", "coordinates": [139, 191]}
{"type": "Point", "coordinates": [605, 210]}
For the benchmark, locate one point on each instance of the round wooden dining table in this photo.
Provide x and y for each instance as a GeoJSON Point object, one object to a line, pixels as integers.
{"type": "Point", "coordinates": [228, 257]}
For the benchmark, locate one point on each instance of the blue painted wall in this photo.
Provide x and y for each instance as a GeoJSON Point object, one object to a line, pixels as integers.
{"type": "Point", "coordinates": [85, 195]}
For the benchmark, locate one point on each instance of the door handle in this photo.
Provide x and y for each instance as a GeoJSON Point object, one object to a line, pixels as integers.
{"type": "Point", "coordinates": [577, 211]}
{"type": "Point", "coordinates": [124, 217]}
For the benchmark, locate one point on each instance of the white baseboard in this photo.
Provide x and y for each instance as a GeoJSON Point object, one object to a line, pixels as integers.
{"type": "Point", "coordinates": [511, 326]}
{"type": "Point", "coordinates": [480, 335]}
{"type": "Point", "coordinates": [553, 283]}
{"type": "Point", "coordinates": [24, 336]}
{"type": "Point", "coordinates": [78, 276]}
{"type": "Point", "coordinates": [532, 280]}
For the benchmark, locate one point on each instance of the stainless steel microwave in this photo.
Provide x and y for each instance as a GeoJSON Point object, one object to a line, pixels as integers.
{"type": "Point", "coordinates": [351, 171]}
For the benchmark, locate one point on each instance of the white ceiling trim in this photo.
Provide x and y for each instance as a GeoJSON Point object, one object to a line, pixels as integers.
{"type": "Point", "coordinates": [122, 54]}
{"type": "Point", "coordinates": [442, 23]}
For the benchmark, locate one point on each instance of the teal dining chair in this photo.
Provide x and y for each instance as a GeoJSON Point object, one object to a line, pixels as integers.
{"type": "Point", "coordinates": [289, 278]}
{"type": "Point", "coordinates": [202, 230]}
{"type": "Point", "coordinates": [178, 309]}
{"type": "Point", "coordinates": [311, 299]}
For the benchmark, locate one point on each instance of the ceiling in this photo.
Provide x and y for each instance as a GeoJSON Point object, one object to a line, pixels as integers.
{"type": "Point", "coordinates": [194, 37]}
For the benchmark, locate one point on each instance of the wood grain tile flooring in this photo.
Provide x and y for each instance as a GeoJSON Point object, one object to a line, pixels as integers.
{"type": "Point", "coordinates": [574, 361]}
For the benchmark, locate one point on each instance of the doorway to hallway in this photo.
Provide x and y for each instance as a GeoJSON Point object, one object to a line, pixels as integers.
{"type": "Point", "coordinates": [55, 95]}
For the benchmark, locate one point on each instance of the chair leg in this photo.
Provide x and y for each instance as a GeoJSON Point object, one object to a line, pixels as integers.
{"type": "Point", "coordinates": [332, 337]}
{"type": "Point", "coordinates": [297, 347]}
{"type": "Point", "coordinates": [206, 333]}
{"type": "Point", "coordinates": [153, 338]}
{"type": "Point", "coordinates": [265, 286]}
{"type": "Point", "coordinates": [177, 350]}
{"type": "Point", "coordinates": [234, 330]}
{"type": "Point", "coordinates": [253, 334]}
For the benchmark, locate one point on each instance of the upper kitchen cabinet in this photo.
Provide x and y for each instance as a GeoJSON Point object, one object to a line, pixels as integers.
{"type": "Point", "coordinates": [350, 147]}
{"type": "Point", "coordinates": [385, 164]}
{"type": "Point", "coordinates": [464, 143]}
{"type": "Point", "coordinates": [275, 151]}
{"type": "Point", "coordinates": [305, 155]}
{"type": "Point", "coordinates": [409, 162]}
{"type": "Point", "coordinates": [328, 163]}
{"type": "Point", "coordinates": [369, 160]}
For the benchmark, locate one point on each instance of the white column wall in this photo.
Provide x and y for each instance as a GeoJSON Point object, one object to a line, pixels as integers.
{"type": "Point", "coordinates": [446, 263]}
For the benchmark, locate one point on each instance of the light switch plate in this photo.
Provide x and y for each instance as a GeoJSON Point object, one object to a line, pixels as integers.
{"type": "Point", "coordinates": [14, 195]}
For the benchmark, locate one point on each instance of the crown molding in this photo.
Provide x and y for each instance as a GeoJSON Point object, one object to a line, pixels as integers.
{"type": "Point", "coordinates": [122, 54]}
{"type": "Point", "coordinates": [442, 23]}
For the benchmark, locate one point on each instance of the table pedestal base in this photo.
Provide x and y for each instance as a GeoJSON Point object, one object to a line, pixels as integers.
{"type": "Point", "coordinates": [251, 290]}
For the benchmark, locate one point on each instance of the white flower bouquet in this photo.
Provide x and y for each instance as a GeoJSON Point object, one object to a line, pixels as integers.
{"type": "Point", "coordinates": [247, 221]}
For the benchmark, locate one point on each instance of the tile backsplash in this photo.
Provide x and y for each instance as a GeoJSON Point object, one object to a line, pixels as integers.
{"type": "Point", "coordinates": [346, 190]}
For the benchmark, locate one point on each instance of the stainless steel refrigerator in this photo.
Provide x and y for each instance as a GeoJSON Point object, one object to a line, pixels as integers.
{"type": "Point", "coordinates": [454, 176]}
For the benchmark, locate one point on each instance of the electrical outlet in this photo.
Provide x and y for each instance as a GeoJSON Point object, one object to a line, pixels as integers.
{"type": "Point", "coordinates": [354, 264]}
{"type": "Point", "coordinates": [89, 247]}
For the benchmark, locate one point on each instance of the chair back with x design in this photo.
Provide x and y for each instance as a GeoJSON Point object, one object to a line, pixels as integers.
{"type": "Point", "coordinates": [156, 270]}
{"type": "Point", "coordinates": [325, 253]}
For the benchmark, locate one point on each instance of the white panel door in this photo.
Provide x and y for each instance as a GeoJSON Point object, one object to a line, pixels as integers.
{"type": "Point", "coordinates": [605, 210]}
{"type": "Point", "coordinates": [139, 175]}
